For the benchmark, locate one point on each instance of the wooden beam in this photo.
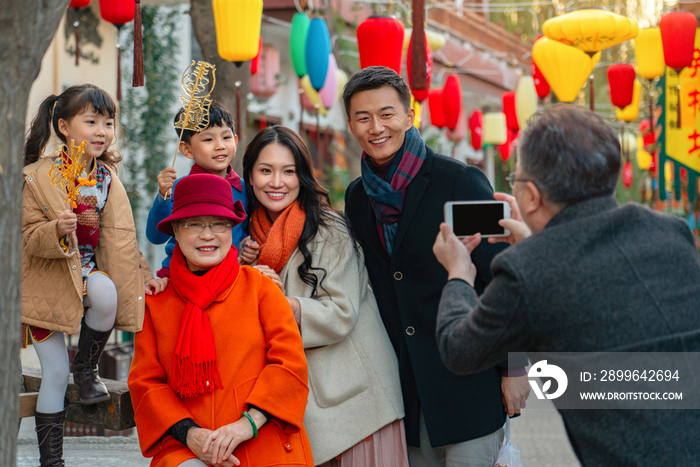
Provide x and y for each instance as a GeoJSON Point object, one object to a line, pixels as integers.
{"type": "Point", "coordinates": [27, 404]}
{"type": "Point", "coordinates": [115, 414]}
{"type": "Point", "coordinates": [419, 75]}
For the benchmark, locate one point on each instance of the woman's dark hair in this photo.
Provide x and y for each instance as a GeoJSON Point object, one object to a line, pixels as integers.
{"type": "Point", "coordinates": [313, 198]}
{"type": "Point", "coordinates": [71, 102]}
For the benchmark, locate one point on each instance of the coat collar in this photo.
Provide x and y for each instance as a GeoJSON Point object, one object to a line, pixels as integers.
{"type": "Point", "coordinates": [586, 208]}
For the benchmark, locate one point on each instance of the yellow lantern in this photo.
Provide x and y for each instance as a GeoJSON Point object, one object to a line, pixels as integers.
{"type": "Point", "coordinates": [631, 112]}
{"type": "Point", "coordinates": [565, 68]}
{"type": "Point", "coordinates": [525, 100]}
{"type": "Point", "coordinates": [313, 96]}
{"type": "Point", "coordinates": [237, 25]}
{"type": "Point", "coordinates": [495, 130]}
{"type": "Point", "coordinates": [643, 157]}
{"type": "Point", "coordinates": [435, 41]}
{"type": "Point", "coordinates": [649, 53]}
{"type": "Point", "coordinates": [590, 29]}
{"type": "Point", "coordinates": [417, 108]}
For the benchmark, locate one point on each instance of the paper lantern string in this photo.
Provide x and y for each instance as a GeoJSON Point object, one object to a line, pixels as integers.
{"type": "Point", "coordinates": [69, 166]}
{"type": "Point", "coordinates": [196, 101]}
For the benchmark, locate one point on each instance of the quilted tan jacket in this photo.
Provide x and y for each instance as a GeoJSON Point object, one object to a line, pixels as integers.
{"type": "Point", "coordinates": [52, 284]}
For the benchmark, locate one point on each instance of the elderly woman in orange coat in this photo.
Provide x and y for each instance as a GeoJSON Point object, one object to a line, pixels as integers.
{"type": "Point", "coordinates": [219, 375]}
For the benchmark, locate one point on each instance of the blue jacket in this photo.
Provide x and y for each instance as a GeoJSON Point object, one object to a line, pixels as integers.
{"type": "Point", "coordinates": [162, 208]}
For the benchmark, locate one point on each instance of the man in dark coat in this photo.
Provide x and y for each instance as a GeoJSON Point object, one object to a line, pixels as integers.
{"type": "Point", "coordinates": [584, 275]}
{"type": "Point", "coordinates": [396, 208]}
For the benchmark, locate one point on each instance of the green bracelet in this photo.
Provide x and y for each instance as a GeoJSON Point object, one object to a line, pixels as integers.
{"type": "Point", "coordinates": [252, 423]}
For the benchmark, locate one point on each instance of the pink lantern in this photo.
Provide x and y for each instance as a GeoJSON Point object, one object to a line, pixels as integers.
{"type": "Point", "coordinates": [264, 82]}
{"type": "Point", "coordinates": [329, 91]}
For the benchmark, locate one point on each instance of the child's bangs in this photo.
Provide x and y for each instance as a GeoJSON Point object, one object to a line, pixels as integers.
{"type": "Point", "coordinates": [97, 99]}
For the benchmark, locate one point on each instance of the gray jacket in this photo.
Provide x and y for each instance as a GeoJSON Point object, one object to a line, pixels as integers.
{"type": "Point", "coordinates": [599, 277]}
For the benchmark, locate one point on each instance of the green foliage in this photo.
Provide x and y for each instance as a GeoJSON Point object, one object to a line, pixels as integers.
{"type": "Point", "coordinates": [147, 113]}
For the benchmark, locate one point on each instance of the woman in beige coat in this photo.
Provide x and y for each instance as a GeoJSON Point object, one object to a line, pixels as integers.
{"type": "Point", "coordinates": [354, 415]}
{"type": "Point", "coordinates": [81, 266]}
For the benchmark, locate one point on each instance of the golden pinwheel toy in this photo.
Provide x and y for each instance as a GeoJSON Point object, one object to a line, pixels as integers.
{"type": "Point", "coordinates": [67, 170]}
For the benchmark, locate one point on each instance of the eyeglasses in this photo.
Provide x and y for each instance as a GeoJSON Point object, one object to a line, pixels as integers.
{"type": "Point", "coordinates": [511, 180]}
{"type": "Point", "coordinates": [197, 227]}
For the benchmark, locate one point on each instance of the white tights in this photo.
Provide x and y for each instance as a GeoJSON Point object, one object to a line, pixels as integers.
{"type": "Point", "coordinates": [101, 300]}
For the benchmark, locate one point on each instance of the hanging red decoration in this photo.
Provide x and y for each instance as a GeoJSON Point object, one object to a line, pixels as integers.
{"type": "Point", "coordinates": [648, 137]}
{"type": "Point", "coordinates": [476, 129]}
{"type": "Point", "coordinates": [435, 104]}
{"type": "Point", "coordinates": [541, 84]}
{"type": "Point", "coordinates": [678, 38]}
{"type": "Point", "coordinates": [508, 99]}
{"type": "Point", "coordinates": [627, 174]}
{"type": "Point", "coordinates": [652, 165]}
{"type": "Point", "coordinates": [459, 133]}
{"type": "Point", "coordinates": [506, 149]}
{"type": "Point", "coordinates": [452, 101]}
{"type": "Point", "coordinates": [77, 4]}
{"type": "Point", "coordinates": [255, 63]}
{"type": "Point", "coordinates": [380, 42]}
{"type": "Point", "coordinates": [120, 12]}
{"type": "Point", "coordinates": [621, 81]}
{"type": "Point", "coordinates": [264, 83]}
{"type": "Point", "coordinates": [420, 94]}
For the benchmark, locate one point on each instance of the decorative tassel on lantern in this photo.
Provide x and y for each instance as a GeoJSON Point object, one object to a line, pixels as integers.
{"type": "Point", "coordinates": [77, 5]}
{"type": "Point", "coordinates": [118, 12]}
{"type": "Point", "coordinates": [138, 47]}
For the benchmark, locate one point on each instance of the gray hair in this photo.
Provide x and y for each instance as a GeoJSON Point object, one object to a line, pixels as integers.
{"type": "Point", "coordinates": [571, 153]}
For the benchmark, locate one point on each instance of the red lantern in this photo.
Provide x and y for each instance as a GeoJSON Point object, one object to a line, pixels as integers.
{"type": "Point", "coordinates": [652, 165]}
{"type": "Point", "coordinates": [508, 98]}
{"type": "Point", "coordinates": [476, 128]}
{"type": "Point", "coordinates": [452, 101]}
{"type": "Point", "coordinates": [435, 104]}
{"type": "Point", "coordinates": [541, 84]}
{"type": "Point", "coordinates": [255, 63]}
{"type": "Point", "coordinates": [120, 12]}
{"type": "Point", "coordinates": [420, 94]}
{"type": "Point", "coordinates": [506, 148]}
{"type": "Point", "coordinates": [380, 42]}
{"type": "Point", "coordinates": [649, 137]}
{"type": "Point", "coordinates": [627, 174]}
{"type": "Point", "coordinates": [621, 81]}
{"type": "Point", "coordinates": [678, 38]}
{"type": "Point", "coordinates": [77, 4]}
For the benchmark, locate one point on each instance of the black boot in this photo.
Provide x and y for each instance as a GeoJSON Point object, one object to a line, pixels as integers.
{"type": "Point", "coordinates": [49, 432]}
{"type": "Point", "coordinates": [90, 347]}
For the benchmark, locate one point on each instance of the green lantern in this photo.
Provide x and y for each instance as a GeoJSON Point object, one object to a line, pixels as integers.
{"type": "Point", "coordinates": [297, 43]}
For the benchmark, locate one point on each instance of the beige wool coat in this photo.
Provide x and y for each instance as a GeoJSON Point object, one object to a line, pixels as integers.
{"type": "Point", "coordinates": [52, 283]}
{"type": "Point", "coordinates": [353, 369]}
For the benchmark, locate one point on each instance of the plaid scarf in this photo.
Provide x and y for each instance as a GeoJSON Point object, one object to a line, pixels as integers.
{"type": "Point", "coordinates": [387, 197]}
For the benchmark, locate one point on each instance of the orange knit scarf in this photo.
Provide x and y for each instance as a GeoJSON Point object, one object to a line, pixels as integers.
{"type": "Point", "coordinates": [279, 240]}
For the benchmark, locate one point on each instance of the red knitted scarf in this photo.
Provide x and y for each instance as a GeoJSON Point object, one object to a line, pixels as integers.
{"type": "Point", "coordinates": [195, 369]}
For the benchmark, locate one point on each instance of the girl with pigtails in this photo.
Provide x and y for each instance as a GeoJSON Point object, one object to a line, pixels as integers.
{"type": "Point", "coordinates": [82, 270]}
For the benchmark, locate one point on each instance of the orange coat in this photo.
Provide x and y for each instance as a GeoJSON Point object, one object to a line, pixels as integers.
{"type": "Point", "coordinates": [261, 361]}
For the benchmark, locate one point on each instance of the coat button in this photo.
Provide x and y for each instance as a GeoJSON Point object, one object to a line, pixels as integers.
{"type": "Point", "coordinates": [288, 447]}
{"type": "Point", "coordinates": [398, 275]}
{"type": "Point", "coordinates": [140, 298]}
{"type": "Point", "coordinates": [46, 208]}
{"type": "Point", "coordinates": [30, 179]}
{"type": "Point", "coordinates": [410, 330]}
{"type": "Point", "coordinates": [74, 267]}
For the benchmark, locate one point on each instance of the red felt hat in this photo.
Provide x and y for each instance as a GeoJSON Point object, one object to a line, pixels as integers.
{"type": "Point", "coordinates": [202, 195]}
